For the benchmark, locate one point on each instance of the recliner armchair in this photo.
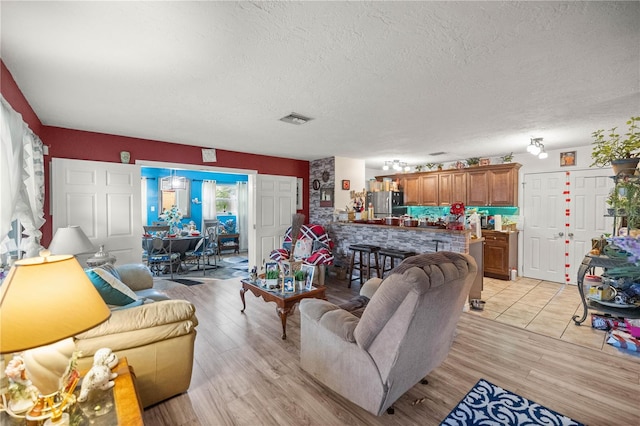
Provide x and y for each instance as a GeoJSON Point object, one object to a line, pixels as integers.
{"type": "Point", "coordinates": [405, 332]}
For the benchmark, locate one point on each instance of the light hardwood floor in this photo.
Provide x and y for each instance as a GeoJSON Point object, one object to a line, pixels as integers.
{"type": "Point", "coordinates": [244, 374]}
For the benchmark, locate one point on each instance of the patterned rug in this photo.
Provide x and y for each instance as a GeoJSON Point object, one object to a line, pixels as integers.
{"type": "Point", "coordinates": [186, 281]}
{"type": "Point", "coordinates": [488, 404]}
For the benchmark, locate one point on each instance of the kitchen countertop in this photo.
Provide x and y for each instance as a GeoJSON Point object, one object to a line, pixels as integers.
{"type": "Point", "coordinates": [406, 228]}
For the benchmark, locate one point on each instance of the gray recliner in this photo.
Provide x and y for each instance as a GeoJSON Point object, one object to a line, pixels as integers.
{"type": "Point", "coordinates": [405, 332]}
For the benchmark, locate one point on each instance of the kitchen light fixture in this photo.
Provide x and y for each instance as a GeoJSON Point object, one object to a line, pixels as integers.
{"type": "Point", "coordinates": [396, 165]}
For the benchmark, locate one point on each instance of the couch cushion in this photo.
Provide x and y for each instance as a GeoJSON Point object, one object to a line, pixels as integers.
{"type": "Point", "coordinates": [112, 290]}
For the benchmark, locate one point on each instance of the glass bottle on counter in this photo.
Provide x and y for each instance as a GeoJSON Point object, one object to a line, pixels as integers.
{"type": "Point", "coordinates": [370, 212]}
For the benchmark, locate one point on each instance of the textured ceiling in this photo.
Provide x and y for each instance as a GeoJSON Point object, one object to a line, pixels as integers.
{"type": "Point", "coordinates": [382, 80]}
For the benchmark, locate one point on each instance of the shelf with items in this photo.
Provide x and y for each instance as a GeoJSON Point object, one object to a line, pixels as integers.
{"type": "Point", "coordinates": [589, 263]}
{"type": "Point", "coordinates": [624, 202]}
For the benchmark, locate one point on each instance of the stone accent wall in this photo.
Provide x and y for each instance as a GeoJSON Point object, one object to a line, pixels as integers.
{"type": "Point", "coordinates": [320, 215]}
{"type": "Point", "coordinates": [419, 240]}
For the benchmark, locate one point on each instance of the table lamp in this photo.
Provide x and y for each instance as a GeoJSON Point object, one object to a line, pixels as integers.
{"type": "Point", "coordinates": [44, 301]}
{"type": "Point", "coordinates": [70, 240]}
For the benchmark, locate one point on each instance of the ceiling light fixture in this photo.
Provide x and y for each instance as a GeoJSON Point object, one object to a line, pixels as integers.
{"type": "Point", "coordinates": [536, 147]}
{"type": "Point", "coordinates": [396, 165]}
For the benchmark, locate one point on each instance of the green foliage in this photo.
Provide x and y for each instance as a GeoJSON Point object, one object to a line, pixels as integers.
{"type": "Point", "coordinates": [300, 275]}
{"type": "Point", "coordinates": [473, 161]}
{"type": "Point", "coordinates": [272, 274]}
{"type": "Point", "coordinates": [507, 158]}
{"type": "Point", "coordinates": [612, 146]}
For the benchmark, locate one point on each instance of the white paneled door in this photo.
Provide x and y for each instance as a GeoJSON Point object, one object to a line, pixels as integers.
{"type": "Point", "coordinates": [562, 212]}
{"type": "Point", "coordinates": [275, 204]}
{"type": "Point", "coordinates": [102, 198]}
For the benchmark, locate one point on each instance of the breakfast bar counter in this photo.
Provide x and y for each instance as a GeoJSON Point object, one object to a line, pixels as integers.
{"type": "Point", "coordinates": [418, 239]}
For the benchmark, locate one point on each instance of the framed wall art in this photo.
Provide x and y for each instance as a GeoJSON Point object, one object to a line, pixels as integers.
{"type": "Point", "coordinates": [346, 185]}
{"type": "Point", "coordinates": [568, 158]}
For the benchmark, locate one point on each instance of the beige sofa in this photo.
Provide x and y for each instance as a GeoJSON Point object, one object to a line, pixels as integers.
{"type": "Point", "coordinates": [405, 331]}
{"type": "Point", "coordinates": [156, 338]}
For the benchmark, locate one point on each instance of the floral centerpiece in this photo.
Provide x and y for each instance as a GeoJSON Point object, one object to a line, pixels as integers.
{"type": "Point", "coordinates": [173, 217]}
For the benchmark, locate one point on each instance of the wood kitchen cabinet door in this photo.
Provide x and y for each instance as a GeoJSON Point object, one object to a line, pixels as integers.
{"type": "Point", "coordinates": [503, 187]}
{"type": "Point", "coordinates": [500, 254]}
{"type": "Point", "coordinates": [429, 190]}
{"type": "Point", "coordinates": [452, 188]}
{"type": "Point", "coordinates": [411, 188]}
{"type": "Point", "coordinates": [478, 188]}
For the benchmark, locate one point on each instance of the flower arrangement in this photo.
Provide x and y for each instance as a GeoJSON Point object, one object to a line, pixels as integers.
{"type": "Point", "coordinates": [172, 215]}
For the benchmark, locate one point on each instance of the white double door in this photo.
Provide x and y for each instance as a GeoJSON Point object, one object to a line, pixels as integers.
{"type": "Point", "coordinates": [105, 200]}
{"type": "Point", "coordinates": [562, 212]}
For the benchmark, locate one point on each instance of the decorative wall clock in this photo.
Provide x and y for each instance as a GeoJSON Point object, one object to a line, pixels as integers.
{"type": "Point", "coordinates": [325, 176]}
{"type": "Point", "coordinates": [316, 184]}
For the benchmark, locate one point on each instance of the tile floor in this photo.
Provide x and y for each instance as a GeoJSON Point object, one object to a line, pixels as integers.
{"type": "Point", "coordinates": [543, 307]}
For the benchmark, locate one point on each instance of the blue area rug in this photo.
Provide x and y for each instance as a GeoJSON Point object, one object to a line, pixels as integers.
{"type": "Point", "coordinates": [236, 262]}
{"type": "Point", "coordinates": [488, 404]}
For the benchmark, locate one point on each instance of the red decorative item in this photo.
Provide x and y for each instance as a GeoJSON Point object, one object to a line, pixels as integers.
{"type": "Point", "coordinates": [457, 208]}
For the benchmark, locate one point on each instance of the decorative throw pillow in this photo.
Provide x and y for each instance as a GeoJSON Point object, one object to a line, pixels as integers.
{"type": "Point", "coordinates": [303, 248]}
{"type": "Point", "coordinates": [112, 290]}
{"type": "Point", "coordinates": [112, 270]}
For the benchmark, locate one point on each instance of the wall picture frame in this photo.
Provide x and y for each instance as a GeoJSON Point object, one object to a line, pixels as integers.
{"type": "Point", "coordinates": [568, 158]}
{"type": "Point", "coordinates": [346, 184]}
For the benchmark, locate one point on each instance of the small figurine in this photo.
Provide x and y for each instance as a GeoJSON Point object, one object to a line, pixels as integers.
{"type": "Point", "coordinates": [100, 375]}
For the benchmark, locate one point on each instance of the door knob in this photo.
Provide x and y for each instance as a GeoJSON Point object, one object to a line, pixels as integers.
{"type": "Point", "coordinates": [560, 234]}
{"type": "Point", "coordinates": [570, 234]}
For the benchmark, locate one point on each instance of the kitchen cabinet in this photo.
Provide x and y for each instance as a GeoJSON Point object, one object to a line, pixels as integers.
{"type": "Point", "coordinates": [452, 188]}
{"type": "Point", "coordinates": [500, 253]}
{"type": "Point", "coordinates": [494, 185]}
{"type": "Point", "coordinates": [428, 190]}
{"type": "Point", "coordinates": [410, 185]}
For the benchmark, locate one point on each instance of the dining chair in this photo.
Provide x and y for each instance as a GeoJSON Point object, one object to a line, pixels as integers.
{"type": "Point", "coordinates": [194, 256]}
{"type": "Point", "coordinates": [159, 258]}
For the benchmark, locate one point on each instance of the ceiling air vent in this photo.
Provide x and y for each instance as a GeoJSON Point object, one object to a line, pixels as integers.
{"type": "Point", "coordinates": [294, 118]}
{"type": "Point", "coordinates": [433, 154]}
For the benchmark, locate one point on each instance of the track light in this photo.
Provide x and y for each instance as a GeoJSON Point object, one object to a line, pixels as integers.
{"type": "Point", "coordinates": [396, 165]}
{"type": "Point", "coordinates": [536, 147]}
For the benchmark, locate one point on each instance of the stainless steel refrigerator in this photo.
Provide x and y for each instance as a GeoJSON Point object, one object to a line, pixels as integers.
{"type": "Point", "coordinates": [386, 203]}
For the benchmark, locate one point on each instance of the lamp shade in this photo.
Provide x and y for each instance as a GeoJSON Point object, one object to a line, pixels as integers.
{"type": "Point", "coordinates": [70, 240]}
{"type": "Point", "coordinates": [46, 299]}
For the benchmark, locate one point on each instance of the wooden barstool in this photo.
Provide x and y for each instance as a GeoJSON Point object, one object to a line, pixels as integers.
{"type": "Point", "coordinates": [392, 254]}
{"type": "Point", "coordinates": [364, 252]}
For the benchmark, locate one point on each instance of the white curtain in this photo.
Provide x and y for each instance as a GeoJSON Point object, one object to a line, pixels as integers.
{"type": "Point", "coordinates": [208, 200]}
{"type": "Point", "coordinates": [243, 214]}
{"type": "Point", "coordinates": [21, 181]}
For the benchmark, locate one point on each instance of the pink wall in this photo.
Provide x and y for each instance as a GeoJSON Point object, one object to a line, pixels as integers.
{"type": "Point", "coordinates": [82, 145]}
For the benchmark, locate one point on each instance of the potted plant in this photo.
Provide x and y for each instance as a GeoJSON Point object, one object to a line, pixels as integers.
{"type": "Point", "coordinates": [301, 278]}
{"type": "Point", "coordinates": [622, 153]}
{"type": "Point", "coordinates": [473, 161]}
{"type": "Point", "coordinates": [507, 158]}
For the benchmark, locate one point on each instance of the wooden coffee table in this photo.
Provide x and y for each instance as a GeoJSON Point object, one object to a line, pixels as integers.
{"type": "Point", "coordinates": [286, 302]}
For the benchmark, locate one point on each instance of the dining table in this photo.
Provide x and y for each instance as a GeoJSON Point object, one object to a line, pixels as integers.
{"type": "Point", "coordinates": [177, 244]}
